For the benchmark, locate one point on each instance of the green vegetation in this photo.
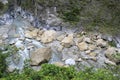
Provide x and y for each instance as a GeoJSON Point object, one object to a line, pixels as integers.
{"type": "Point", "coordinates": [8, 51]}
{"type": "Point", "coordinates": [112, 43]}
{"type": "Point", "coordinates": [52, 72]}
{"type": "Point", "coordinates": [116, 57]}
{"type": "Point", "coordinates": [3, 7]}
{"type": "Point", "coordinates": [89, 13]}
{"type": "Point", "coordinates": [3, 65]}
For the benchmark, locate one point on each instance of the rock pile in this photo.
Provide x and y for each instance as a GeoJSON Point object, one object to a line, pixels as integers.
{"type": "Point", "coordinates": [71, 48]}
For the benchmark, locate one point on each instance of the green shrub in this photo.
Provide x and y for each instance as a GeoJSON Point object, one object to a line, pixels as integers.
{"type": "Point", "coordinates": [1, 5]}
{"type": "Point", "coordinates": [3, 8]}
{"type": "Point", "coordinates": [7, 52]}
{"type": "Point", "coordinates": [57, 73]}
{"type": "Point", "coordinates": [3, 64]}
{"type": "Point", "coordinates": [112, 43]}
{"type": "Point", "coordinates": [52, 72]}
{"type": "Point", "coordinates": [98, 74]}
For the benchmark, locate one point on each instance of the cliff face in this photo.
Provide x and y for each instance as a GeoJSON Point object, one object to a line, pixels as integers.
{"type": "Point", "coordinates": [88, 13]}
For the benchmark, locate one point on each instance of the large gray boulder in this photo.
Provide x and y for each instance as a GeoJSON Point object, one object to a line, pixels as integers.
{"type": "Point", "coordinates": [40, 55]}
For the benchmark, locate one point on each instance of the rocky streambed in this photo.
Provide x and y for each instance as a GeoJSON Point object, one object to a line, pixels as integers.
{"type": "Point", "coordinates": [55, 46]}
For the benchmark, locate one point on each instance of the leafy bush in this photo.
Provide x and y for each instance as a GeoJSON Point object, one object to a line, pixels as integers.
{"type": "Point", "coordinates": [52, 72]}
{"type": "Point", "coordinates": [3, 8]}
{"type": "Point", "coordinates": [112, 43]}
{"type": "Point", "coordinates": [98, 74]}
{"type": "Point", "coordinates": [3, 65]}
{"type": "Point", "coordinates": [1, 5]}
{"type": "Point", "coordinates": [8, 51]}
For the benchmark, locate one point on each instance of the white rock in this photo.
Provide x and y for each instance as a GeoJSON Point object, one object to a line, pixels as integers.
{"type": "Point", "coordinates": [79, 60]}
{"type": "Point", "coordinates": [19, 44]}
{"type": "Point", "coordinates": [5, 36]}
{"type": "Point", "coordinates": [10, 68]}
{"type": "Point", "coordinates": [87, 52]}
{"type": "Point", "coordinates": [70, 62]}
{"type": "Point", "coordinates": [12, 41]}
{"type": "Point", "coordinates": [86, 39]}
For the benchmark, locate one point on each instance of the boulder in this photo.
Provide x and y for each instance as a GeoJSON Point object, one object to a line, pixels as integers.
{"type": "Point", "coordinates": [112, 54]}
{"type": "Point", "coordinates": [40, 32]}
{"type": "Point", "coordinates": [101, 43]}
{"type": "Point", "coordinates": [107, 61]}
{"type": "Point", "coordinates": [83, 46]}
{"type": "Point", "coordinates": [10, 68]}
{"type": "Point", "coordinates": [35, 32]}
{"type": "Point", "coordinates": [31, 34]}
{"type": "Point", "coordinates": [107, 37]}
{"type": "Point", "coordinates": [38, 37]}
{"type": "Point", "coordinates": [110, 51]}
{"type": "Point", "coordinates": [5, 36]}
{"type": "Point", "coordinates": [28, 34]}
{"type": "Point", "coordinates": [61, 37]}
{"type": "Point", "coordinates": [92, 47]}
{"type": "Point", "coordinates": [68, 41]}
{"type": "Point", "coordinates": [87, 40]}
{"type": "Point", "coordinates": [48, 36]}
{"type": "Point", "coordinates": [93, 54]}
{"type": "Point", "coordinates": [40, 55]}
